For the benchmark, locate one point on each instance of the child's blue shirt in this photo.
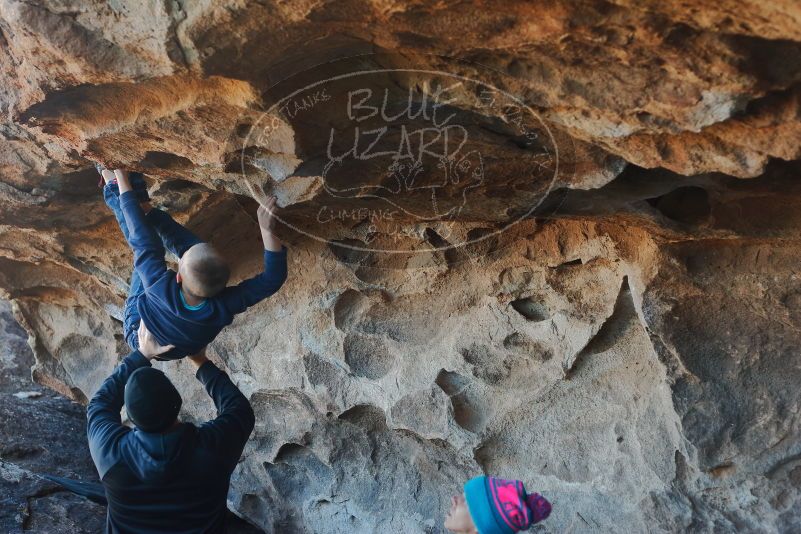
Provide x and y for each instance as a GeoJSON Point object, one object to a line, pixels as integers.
{"type": "Point", "coordinates": [161, 304]}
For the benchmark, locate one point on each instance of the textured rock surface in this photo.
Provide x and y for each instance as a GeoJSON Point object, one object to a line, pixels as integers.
{"type": "Point", "coordinates": [629, 349]}
{"type": "Point", "coordinates": [41, 433]}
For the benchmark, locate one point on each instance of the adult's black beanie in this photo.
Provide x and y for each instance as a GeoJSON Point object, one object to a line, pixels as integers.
{"type": "Point", "coordinates": [151, 400]}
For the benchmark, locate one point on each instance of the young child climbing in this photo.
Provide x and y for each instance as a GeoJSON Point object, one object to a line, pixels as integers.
{"type": "Point", "coordinates": [189, 308]}
{"type": "Point", "coordinates": [495, 506]}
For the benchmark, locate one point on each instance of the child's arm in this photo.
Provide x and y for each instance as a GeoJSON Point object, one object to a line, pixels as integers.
{"type": "Point", "coordinates": [266, 215]}
{"type": "Point", "coordinates": [145, 243]}
{"type": "Point", "coordinates": [238, 298]}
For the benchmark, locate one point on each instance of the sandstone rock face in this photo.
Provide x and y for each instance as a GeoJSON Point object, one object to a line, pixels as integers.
{"type": "Point", "coordinates": [555, 242]}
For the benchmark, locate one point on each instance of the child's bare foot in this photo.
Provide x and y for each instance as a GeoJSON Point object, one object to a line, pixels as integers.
{"type": "Point", "coordinates": [105, 174]}
{"type": "Point", "coordinates": [127, 181]}
{"type": "Point", "coordinates": [123, 181]}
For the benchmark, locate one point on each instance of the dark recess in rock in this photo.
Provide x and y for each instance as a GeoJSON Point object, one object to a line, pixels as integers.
{"type": "Point", "coordinates": [531, 309]}
{"type": "Point", "coordinates": [688, 205]}
{"type": "Point", "coordinates": [367, 356]}
{"type": "Point", "coordinates": [466, 410]}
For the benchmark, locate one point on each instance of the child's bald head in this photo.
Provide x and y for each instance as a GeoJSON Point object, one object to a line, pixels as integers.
{"type": "Point", "coordinates": [204, 273]}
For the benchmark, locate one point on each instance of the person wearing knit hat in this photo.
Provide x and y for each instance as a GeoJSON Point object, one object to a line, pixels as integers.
{"type": "Point", "coordinates": [495, 506]}
{"type": "Point", "coordinates": [152, 402]}
{"type": "Point", "coordinates": [164, 475]}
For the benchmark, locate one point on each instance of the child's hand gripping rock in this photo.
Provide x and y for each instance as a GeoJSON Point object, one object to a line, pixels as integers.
{"type": "Point", "coordinates": [266, 215]}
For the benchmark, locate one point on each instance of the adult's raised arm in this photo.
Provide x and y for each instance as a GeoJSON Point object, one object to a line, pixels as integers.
{"type": "Point", "coordinates": [230, 430]}
{"type": "Point", "coordinates": [104, 425]}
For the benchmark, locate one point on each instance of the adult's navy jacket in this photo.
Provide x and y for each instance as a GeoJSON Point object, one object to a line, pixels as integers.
{"type": "Point", "coordinates": [175, 482]}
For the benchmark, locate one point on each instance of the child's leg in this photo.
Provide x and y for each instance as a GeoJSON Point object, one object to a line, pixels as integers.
{"type": "Point", "coordinates": [139, 185]}
{"type": "Point", "coordinates": [111, 194]}
{"type": "Point", "coordinates": [176, 238]}
{"type": "Point", "coordinates": [131, 318]}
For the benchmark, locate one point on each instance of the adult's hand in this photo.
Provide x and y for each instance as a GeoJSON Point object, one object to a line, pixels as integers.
{"type": "Point", "coordinates": [148, 345]}
{"type": "Point", "coordinates": [198, 359]}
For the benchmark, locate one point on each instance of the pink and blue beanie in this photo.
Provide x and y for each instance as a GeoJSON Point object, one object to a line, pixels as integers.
{"type": "Point", "coordinates": [500, 506]}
